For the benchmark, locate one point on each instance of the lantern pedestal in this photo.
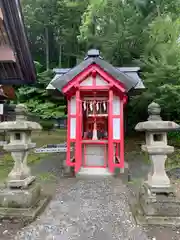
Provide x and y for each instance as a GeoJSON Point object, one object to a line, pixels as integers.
{"type": "Point", "coordinates": [22, 204]}
{"type": "Point", "coordinates": [20, 198]}
{"type": "Point", "coordinates": [155, 208]}
{"type": "Point", "coordinates": [157, 178]}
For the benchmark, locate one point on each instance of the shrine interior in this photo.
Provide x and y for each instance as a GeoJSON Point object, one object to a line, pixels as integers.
{"type": "Point", "coordinates": [95, 117]}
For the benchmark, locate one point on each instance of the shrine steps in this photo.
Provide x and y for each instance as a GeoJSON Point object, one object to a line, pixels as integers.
{"type": "Point", "coordinates": [93, 172]}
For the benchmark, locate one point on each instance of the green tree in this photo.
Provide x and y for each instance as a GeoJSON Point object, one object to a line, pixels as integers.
{"type": "Point", "coordinates": [161, 64]}
{"type": "Point", "coordinates": [128, 32]}
{"type": "Point", "coordinates": [38, 101]}
{"type": "Point", "coordinates": [53, 26]}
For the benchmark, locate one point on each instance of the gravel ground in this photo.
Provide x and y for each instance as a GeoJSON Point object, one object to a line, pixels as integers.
{"type": "Point", "coordinates": [52, 163]}
{"type": "Point", "coordinates": [86, 209]}
{"type": "Point", "coordinates": [97, 209]}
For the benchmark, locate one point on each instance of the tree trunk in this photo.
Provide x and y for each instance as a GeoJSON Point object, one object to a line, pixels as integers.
{"type": "Point", "coordinates": [47, 48]}
{"type": "Point", "coordinates": [60, 55]}
{"type": "Point", "coordinates": [158, 11]}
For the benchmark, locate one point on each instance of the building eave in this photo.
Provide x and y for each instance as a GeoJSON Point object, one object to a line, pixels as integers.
{"type": "Point", "coordinates": [17, 40]}
{"type": "Point", "coordinates": [126, 75]}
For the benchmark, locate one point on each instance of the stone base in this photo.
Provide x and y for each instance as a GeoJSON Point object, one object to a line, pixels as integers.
{"type": "Point", "coordinates": [26, 215]}
{"type": "Point", "coordinates": [20, 183]}
{"type": "Point", "coordinates": [89, 172]}
{"type": "Point", "coordinates": [156, 208]}
{"type": "Point", "coordinates": [24, 204]}
{"type": "Point", "coordinates": [19, 198]}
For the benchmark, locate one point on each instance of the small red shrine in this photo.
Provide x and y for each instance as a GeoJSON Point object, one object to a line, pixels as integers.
{"type": "Point", "coordinates": [96, 93]}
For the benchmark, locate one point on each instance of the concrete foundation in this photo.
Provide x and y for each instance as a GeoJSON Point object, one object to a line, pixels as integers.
{"type": "Point", "coordinates": [94, 172]}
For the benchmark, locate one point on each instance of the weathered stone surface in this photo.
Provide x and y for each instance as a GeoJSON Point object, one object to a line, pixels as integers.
{"type": "Point", "coordinates": [25, 215]}
{"type": "Point", "coordinates": [157, 203]}
{"type": "Point", "coordinates": [19, 145]}
{"type": "Point", "coordinates": [24, 183]}
{"type": "Point", "coordinates": [156, 209]}
{"type": "Point", "coordinates": [19, 198]}
{"type": "Point", "coordinates": [156, 146]}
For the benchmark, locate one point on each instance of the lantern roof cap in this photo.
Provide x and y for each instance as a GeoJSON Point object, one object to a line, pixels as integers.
{"type": "Point", "coordinates": [21, 123]}
{"type": "Point", "coordinates": [155, 122]}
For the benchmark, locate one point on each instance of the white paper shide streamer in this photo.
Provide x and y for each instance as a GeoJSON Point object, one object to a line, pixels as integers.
{"type": "Point", "coordinates": [104, 106]}
{"type": "Point", "coordinates": [84, 106]}
{"type": "Point", "coordinates": [97, 106]}
{"type": "Point", "coordinates": [91, 106]}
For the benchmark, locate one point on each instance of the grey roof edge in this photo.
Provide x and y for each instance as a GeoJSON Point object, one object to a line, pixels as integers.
{"type": "Point", "coordinates": [113, 71]}
{"type": "Point", "coordinates": [126, 70]}
{"type": "Point", "coordinates": [61, 70]}
{"type": "Point", "coordinates": [63, 79]}
{"type": "Point", "coordinates": [133, 70]}
{"type": "Point", "coordinates": [127, 75]}
{"type": "Point", "coordinates": [121, 69]}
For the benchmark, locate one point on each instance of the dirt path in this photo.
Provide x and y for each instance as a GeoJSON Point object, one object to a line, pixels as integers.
{"type": "Point", "coordinates": [86, 209]}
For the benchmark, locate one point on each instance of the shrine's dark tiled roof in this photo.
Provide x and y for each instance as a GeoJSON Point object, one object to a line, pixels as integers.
{"type": "Point", "coordinates": [128, 76]}
{"type": "Point", "coordinates": [16, 64]}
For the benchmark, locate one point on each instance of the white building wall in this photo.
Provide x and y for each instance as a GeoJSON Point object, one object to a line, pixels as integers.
{"type": "Point", "coordinates": [116, 121]}
{"type": "Point", "coordinates": [116, 105]}
{"type": "Point", "coordinates": [73, 105]}
{"type": "Point", "coordinates": [73, 128]}
{"type": "Point", "coordinates": [116, 128]}
{"type": "Point", "coordinates": [87, 82]}
{"type": "Point", "coordinates": [100, 81]}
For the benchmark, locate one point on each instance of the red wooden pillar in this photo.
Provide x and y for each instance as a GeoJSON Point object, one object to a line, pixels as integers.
{"type": "Point", "coordinates": [122, 134]}
{"type": "Point", "coordinates": [78, 150]}
{"type": "Point", "coordinates": [110, 133]}
{"type": "Point", "coordinates": [68, 154]}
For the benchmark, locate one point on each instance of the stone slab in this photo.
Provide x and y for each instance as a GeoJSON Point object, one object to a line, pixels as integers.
{"type": "Point", "coordinates": [168, 189]}
{"type": "Point", "coordinates": [160, 206]}
{"type": "Point", "coordinates": [20, 198]}
{"type": "Point", "coordinates": [89, 172]}
{"type": "Point", "coordinates": [158, 149]}
{"type": "Point", "coordinates": [166, 221]}
{"type": "Point", "coordinates": [158, 210]}
{"type": "Point", "coordinates": [20, 183]}
{"type": "Point", "coordinates": [25, 214]}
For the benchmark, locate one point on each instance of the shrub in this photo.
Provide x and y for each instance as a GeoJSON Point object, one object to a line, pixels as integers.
{"type": "Point", "coordinates": [47, 125]}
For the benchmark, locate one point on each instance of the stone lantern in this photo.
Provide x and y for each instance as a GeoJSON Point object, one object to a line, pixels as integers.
{"type": "Point", "coordinates": [157, 195]}
{"type": "Point", "coordinates": [21, 191]}
{"type": "Point", "coordinates": [19, 146]}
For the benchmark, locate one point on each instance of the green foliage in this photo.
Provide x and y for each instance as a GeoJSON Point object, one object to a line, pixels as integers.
{"type": "Point", "coordinates": [60, 19]}
{"type": "Point", "coordinates": [173, 160]}
{"type": "Point", "coordinates": [128, 32]}
{"type": "Point", "coordinates": [47, 125]}
{"type": "Point", "coordinates": [37, 99]}
{"type": "Point", "coordinates": [161, 63]}
{"type": "Point", "coordinates": [174, 138]}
